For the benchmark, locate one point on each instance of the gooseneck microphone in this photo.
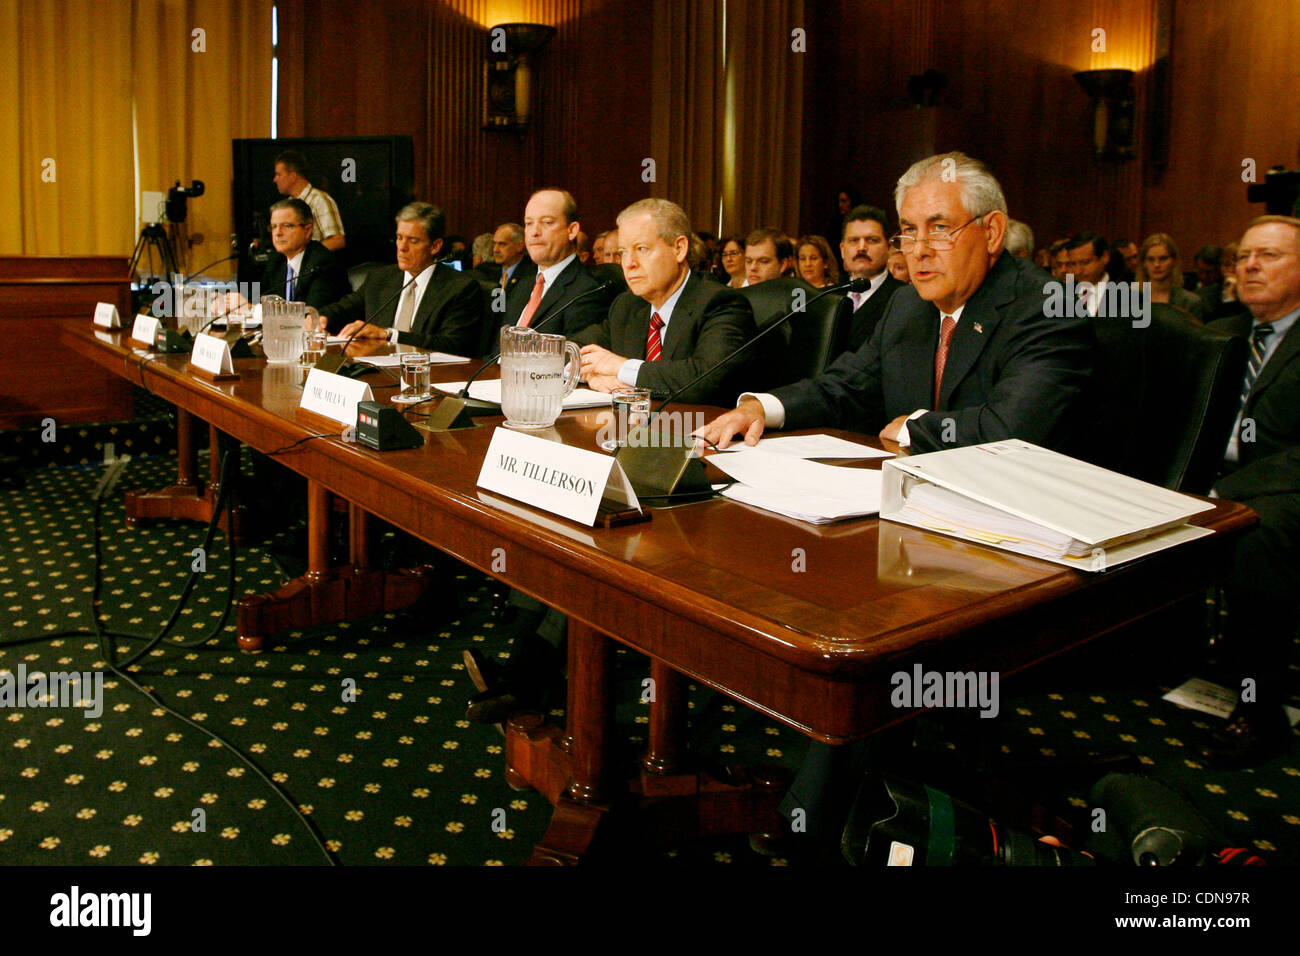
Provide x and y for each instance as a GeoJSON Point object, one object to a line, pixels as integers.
{"type": "Point", "coordinates": [334, 362]}
{"type": "Point", "coordinates": [853, 285]}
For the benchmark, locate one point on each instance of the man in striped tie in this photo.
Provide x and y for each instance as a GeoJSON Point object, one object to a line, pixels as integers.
{"type": "Point", "coordinates": [671, 326]}
{"type": "Point", "coordinates": [1263, 470]}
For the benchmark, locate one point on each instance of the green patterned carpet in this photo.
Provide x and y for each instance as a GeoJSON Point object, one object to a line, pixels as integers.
{"type": "Point", "coordinates": [361, 724]}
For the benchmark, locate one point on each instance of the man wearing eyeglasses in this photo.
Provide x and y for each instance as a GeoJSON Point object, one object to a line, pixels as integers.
{"type": "Point", "coordinates": [1263, 470]}
{"type": "Point", "coordinates": [966, 355]}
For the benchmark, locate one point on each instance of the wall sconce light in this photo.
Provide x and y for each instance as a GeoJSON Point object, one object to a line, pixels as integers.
{"type": "Point", "coordinates": [508, 73]}
{"type": "Point", "coordinates": [1113, 101]}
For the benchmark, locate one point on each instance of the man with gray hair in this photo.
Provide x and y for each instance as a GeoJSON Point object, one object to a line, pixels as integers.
{"type": "Point", "coordinates": [416, 302]}
{"type": "Point", "coordinates": [508, 254]}
{"type": "Point", "coordinates": [1020, 239]}
{"type": "Point", "coordinates": [671, 325]}
{"type": "Point", "coordinates": [964, 356]}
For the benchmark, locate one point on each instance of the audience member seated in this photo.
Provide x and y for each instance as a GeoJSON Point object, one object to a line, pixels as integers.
{"type": "Point", "coordinates": [898, 266]}
{"type": "Point", "coordinates": [613, 254]}
{"type": "Point", "coordinates": [1060, 254]}
{"type": "Point", "coordinates": [1262, 465]}
{"type": "Point", "coordinates": [508, 254]}
{"type": "Point", "coordinates": [768, 253]}
{"type": "Point", "coordinates": [1124, 256]}
{"type": "Point", "coordinates": [733, 261]}
{"type": "Point", "coordinates": [816, 264]}
{"type": "Point", "coordinates": [1087, 256]}
{"type": "Point", "coordinates": [416, 302]}
{"type": "Point", "coordinates": [1158, 265]}
{"type": "Point", "coordinates": [584, 248]}
{"type": "Point", "coordinates": [1020, 239]}
{"type": "Point", "coordinates": [866, 254]}
{"type": "Point", "coordinates": [1208, 270]}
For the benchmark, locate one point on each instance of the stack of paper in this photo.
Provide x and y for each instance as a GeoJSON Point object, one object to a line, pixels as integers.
{"type": "Point", "coordinates": [810, 446]}
{"type": "Point", "coordinates": [1034, 501]}
{"type": "Point", "coordinates": [800, 489]}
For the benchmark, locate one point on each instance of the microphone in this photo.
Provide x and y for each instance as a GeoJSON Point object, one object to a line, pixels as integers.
{"type": "Point", "coordinates": [853, 285]}
{"type": "Point", "coordinates": [334, 362]}
{"type": "Point", "coordinates": [476, 406]}
{"type": "Point", "coordinates": [674, 471]}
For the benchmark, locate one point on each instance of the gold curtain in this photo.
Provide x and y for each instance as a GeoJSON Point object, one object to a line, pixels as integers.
{"type": "Point", "coordinates": [202, 77]}
{"type": "Point", "coordinates": [764, 78]}
{"type": "Point", "coordinates": [727, 115]}
{"type": "Point", "coordinates": [687, 114]}
{"type": "Point", "coordinates": [66, 181]}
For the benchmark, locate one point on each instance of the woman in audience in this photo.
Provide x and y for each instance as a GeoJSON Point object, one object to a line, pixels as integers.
{"type": "Point", "coordinates": [816, 263]}
{"type": "Point", "coordinates": [733, 261]}
{"type": "Point", "coordinates": [1158, 265]}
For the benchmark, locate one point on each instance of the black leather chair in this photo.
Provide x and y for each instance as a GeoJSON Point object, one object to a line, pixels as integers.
{"type": "Point", "coordinates": [806, 345]}
{"type": "Point", "coordinates": [357, 273]}
{"type": "Point", "coordinates": [611, 271]}
{"type": "Point", "coordinates": [1167, 397]}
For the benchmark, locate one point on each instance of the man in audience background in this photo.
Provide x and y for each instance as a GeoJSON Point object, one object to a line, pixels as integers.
{"type": "Point", "coordinates": [864, 250]}
{"type": "Point", "coordinates": [1087, 256]}
{"type": "Point", "coordinates": [1020, 239]}
{"type": "Point", "coordinates": [508, 254]}
{"type": "Point", "coordinates": [292, 179]}
{"type": "Point", "coordinates": [769, 253]}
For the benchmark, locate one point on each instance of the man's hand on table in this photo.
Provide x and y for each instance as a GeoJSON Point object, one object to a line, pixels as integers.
{"type": "Point", "coordinates": [746, 419]}
{"type": "Point", "coordinates": [363, 330]}
{"type": "Point", "coordinates": [598, 362]}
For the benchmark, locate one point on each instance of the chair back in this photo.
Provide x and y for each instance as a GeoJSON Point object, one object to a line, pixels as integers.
{"type": "Point", "coordinates": [357, 273]}
{"type": "Point", "coordinates": [806, 345]}
{"type": "Point", "coordinates": [1168, 397]}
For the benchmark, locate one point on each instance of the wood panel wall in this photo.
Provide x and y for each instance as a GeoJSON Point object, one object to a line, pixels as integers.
{"type": "Point", "coordinates": [415, 67]}
{"type": "Point", "coordinates": [43, 379]}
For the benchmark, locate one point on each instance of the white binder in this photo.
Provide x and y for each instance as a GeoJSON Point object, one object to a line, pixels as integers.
{"type": "Point", "coordinates": [1023, 498]}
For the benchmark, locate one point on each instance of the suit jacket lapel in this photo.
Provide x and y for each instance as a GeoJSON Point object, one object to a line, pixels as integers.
{"type": "Point", "coordinates": [554, 292]}
{"type": "Point", "coordinates": [979, 321]}
{"type": "Point", "coordinates": [430, 302]}
{"type": "Point", "coordinates": [678, 337]}
{"type": "Point", "coordinates": [1285, 352]}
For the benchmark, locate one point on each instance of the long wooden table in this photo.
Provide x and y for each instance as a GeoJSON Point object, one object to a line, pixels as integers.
{"type": "Point", "coordinates": [803, 623]}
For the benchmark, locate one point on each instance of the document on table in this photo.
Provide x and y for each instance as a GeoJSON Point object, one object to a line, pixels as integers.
{"type": "Point", "coordinates": [490, 391]}
{"type": "Point", "coordinates": [1017, 496]}
{"type": "Point", "coordinates": [811, 446]}
{"type": "Point", "coordinates": [804, 490]}
{"type": "Point", "coordinates": [394, 360]}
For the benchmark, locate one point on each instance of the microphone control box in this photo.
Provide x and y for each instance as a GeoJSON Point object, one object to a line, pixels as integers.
{"type": "Point", "coordinates": [382, 427]}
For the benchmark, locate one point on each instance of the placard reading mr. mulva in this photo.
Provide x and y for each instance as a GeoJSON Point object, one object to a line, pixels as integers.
{"type": "Point", "coordinates": [334, 396]}
{"type": "Point", "coordinates": [557, 478]}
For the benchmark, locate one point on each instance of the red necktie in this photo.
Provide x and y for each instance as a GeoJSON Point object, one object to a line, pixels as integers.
{"type": "Point", "coordinates": [533, 301]}
{"type": "Point", "coordinates": [653, 345]}
{"type": "Point", "coordinates": [941, 356]}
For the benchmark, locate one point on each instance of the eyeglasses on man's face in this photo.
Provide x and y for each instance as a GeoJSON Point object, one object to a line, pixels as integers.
{"type": "Point", "coordinates": [941, 237]}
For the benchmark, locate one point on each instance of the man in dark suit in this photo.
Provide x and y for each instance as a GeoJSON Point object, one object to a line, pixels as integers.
{"type": "Point", "coordinates": [302, 270]}
{"type": "Point", "coordinates": [967, 355]}
{"type": "Point", "coordinates": [551, 228]}
{"type": "Point", "coordinates": [865, 253]}
{"type": "Point", "coordinates": [671, 325]}
{"type": "Point", "coordinates": [1263, 471]}
{"type": "Point", "coordinates": [508, 248]}
{"type": "Point", "coordinates": [415, 302]}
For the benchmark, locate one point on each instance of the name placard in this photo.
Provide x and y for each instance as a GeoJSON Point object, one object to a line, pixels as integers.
{"type": "Point", "coordinates": [106, 315]}
{"type": "Point", "coordinates": [212, 354]}
{"type": "Point", "coordinates": [334, 396]}
{"type": "Point", "coordinates": [570, 482]}
{"type": "Point", "coordinates": [145, 330]}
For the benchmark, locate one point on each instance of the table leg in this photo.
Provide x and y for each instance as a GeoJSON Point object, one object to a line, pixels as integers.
{"type": "Point", "coordinates": [667, 741]}
{"type": "Point", "coordinates": [325, 594]}
{"type": "Point", "coordinates": [189, 498]}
